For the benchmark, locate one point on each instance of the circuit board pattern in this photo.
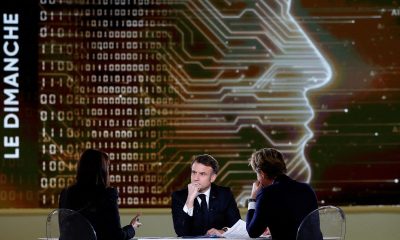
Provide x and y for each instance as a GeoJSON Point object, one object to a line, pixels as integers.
{"type": "Point", "coordinates": [155, 82]}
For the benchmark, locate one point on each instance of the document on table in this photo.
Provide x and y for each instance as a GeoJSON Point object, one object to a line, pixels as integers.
{"type": "Point", "coordinates": [238, 230]}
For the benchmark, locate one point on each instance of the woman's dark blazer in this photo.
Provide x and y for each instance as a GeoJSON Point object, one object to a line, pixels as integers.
{"type": "Point", "coordinates": [100, 207]}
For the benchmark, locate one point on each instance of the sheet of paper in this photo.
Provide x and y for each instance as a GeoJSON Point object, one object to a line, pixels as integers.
{"type": "Point", "coordinates": [237, 231]}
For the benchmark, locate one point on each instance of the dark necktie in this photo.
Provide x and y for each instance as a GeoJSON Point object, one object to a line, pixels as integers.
{"type": "Point", "coordinates": [203, 205]}
{"type": "Point", "coordinates": [204, 211]}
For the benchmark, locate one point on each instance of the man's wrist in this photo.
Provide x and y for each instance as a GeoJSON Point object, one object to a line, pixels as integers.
{"type": "Point", "coordinates": [189, 202]}
{"type": "Point", "coordinates": [251, 203]}
{"type": "Point", "coordinates": [188, 210]}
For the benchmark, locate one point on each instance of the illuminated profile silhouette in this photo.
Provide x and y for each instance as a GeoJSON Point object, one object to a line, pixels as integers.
{"type": "Point", "coordinates": [241, 71]}
{"type": "Point", "coordinates": [167, 80]}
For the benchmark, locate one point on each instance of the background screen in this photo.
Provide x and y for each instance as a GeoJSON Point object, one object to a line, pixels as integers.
{"type": "Point", "coordinates": [155, 82]}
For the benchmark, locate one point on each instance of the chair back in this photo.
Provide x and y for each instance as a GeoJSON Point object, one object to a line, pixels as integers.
{"type": "Point", "coordinates": [67, 224]}
{"type": "Point", "coordinates": [327, 222]}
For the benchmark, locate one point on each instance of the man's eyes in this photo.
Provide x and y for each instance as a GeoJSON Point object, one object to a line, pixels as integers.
{"type": "Point", "coordinates": [202, 173]}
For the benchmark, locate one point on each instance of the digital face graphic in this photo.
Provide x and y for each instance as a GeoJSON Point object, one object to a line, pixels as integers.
{"type": "Point", "coordinates": [154, 82]}
{"type": "Point", "coordinates": [241, 71]}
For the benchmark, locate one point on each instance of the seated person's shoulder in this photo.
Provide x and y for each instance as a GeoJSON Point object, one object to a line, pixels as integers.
{"type": "Point", "coordinates": [106, 195]}
{"type": "Point", "coordinates": [71, 191]}
{"type": "Point", "coordinates": [222, 189]}
{"type": "Point", "coordinates": [306, 187]}
{"type": "Point", "coordinates": [180, 193]}
{"type": "Point", "coordinates": [111, 192]}
{"type": "Point", "coordinates": [302, 185]}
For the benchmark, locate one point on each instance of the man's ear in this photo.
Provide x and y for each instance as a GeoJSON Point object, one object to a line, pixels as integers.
{"type": "Point", "coordinates": [265, 179]}
{"type": "Point", "coordinates": [262, 174]}
{"type": "Point", "coordinates": [213, 177]}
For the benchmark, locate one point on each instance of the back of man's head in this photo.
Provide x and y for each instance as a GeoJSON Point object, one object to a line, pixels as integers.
{"type": "Point", "coordinates": [268, 160]}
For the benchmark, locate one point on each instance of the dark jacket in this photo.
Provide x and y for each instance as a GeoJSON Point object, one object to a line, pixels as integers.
{"type": "Point", "coordinates": [100, 207]}
{"type": "Point", "coordinates": [281, 207]}
{"type": "Point", "coordinates": [223, 212]}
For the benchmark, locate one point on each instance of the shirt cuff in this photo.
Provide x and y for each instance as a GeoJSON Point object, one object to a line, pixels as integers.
{"type": "Point", "coordinates": [251, 205]}
{"type": "Point", "coordinates": [187, 210]}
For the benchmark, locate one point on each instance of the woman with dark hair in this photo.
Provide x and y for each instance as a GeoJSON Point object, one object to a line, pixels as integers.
{"type": "Point", "coordinates": [93, 197]}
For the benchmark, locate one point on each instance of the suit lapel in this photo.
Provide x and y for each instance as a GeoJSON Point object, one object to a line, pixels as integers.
{"type": "Point", "coordinates": [213, 201]}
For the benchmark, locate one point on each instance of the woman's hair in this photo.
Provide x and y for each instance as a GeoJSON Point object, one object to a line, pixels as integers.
{"type": "Point", "coordinates": [207, 160]}
{"type": "Point", "coordinates": [268, 160]}
{"type": "Point", "coordinates": [93, 169]}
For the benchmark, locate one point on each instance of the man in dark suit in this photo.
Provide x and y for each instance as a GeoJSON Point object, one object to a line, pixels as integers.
{"type": "Point", "coordinates": [203, 208]}
{"type": "Point", "coordinates": [277, 201]}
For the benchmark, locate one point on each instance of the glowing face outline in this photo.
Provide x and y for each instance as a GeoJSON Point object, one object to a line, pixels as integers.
{"type": "Point", "coordinates": [219, 104]}
{"type": "Point", "coordinates": [298, 59]}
